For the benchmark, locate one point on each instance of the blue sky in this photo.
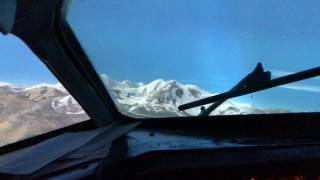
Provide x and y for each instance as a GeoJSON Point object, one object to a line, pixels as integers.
{"type": "Point", "coordinates": [209, 43]}
{"type": "Point", "coordinates": [18, 64]}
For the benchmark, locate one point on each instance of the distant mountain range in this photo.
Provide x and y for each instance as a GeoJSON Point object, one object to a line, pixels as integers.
{"type": "Point", "coordinates": [29, 111]}
{"type": "Point", "coordinates": [161, 98]}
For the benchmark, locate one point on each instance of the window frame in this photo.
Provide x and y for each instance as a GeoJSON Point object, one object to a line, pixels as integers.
{"type": "Point", "coordinates": [46, 46]}
{"type": "Point", "coordinates": [65, 43]}
{"type": "Point", "coordinates": [94, 76]}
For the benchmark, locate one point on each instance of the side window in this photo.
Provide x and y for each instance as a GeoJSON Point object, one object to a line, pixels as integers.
{"type": "Point", "coordinates": [32, 101]}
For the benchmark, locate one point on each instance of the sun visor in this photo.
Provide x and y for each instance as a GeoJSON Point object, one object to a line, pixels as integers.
{"type": "Point", "coordinates": [7, 15]}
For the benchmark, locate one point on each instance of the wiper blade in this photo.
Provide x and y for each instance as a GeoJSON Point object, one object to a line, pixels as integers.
{"type": "Point", "coordinates": [310, 73]}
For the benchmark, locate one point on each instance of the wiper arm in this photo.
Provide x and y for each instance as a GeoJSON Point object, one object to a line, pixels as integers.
{"type": "Point", "coordinates": [310, 73]}
{"type": "Point", "coordinates": [257, 75]}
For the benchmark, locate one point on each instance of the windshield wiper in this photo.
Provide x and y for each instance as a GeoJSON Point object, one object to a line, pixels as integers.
{"type": "Point", "coordinates": [256, 81]}
{"type": "Point", "coordinates": [257, 75]}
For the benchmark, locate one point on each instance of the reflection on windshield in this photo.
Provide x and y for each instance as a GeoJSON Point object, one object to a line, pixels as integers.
{"type": "Point", "coordinates": [182, 51]}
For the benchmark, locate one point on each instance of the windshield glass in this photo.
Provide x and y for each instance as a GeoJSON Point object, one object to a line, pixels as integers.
{"type": "Point", "coordinates": [32, 101]}
{"type": "Point", "coordinates": [154, 55]}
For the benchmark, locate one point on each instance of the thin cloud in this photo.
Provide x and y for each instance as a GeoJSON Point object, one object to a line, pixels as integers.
{"type": "Point", "coordinates": [296, 86]}
{"type": "Point", "coordinates": [279, 73]}
{"type": "Point", "coordinates": [302, 87]}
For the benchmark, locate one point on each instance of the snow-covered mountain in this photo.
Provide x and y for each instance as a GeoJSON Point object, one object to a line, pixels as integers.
{"type": "Point", "coordinates": [28, 111]}
{"type": "Point", "coordinates": [161, 98]}
{"type": "Point", "coordinates": [67, 104]}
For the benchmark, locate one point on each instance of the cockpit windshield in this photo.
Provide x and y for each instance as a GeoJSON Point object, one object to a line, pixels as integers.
{"type": "Point", "coordinates": [155, 55]}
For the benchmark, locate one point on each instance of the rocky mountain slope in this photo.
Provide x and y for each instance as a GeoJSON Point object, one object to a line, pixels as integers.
{"type": "Point", "coordinates": [26, 112]}
{"type": "Point", "coordinates": [30, 111]}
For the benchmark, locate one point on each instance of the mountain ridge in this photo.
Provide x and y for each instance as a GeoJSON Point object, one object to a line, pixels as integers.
{"type": "Point", "coordinates": [161, 98]}
{"type": "Point", "coordinates": [29, 111]}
